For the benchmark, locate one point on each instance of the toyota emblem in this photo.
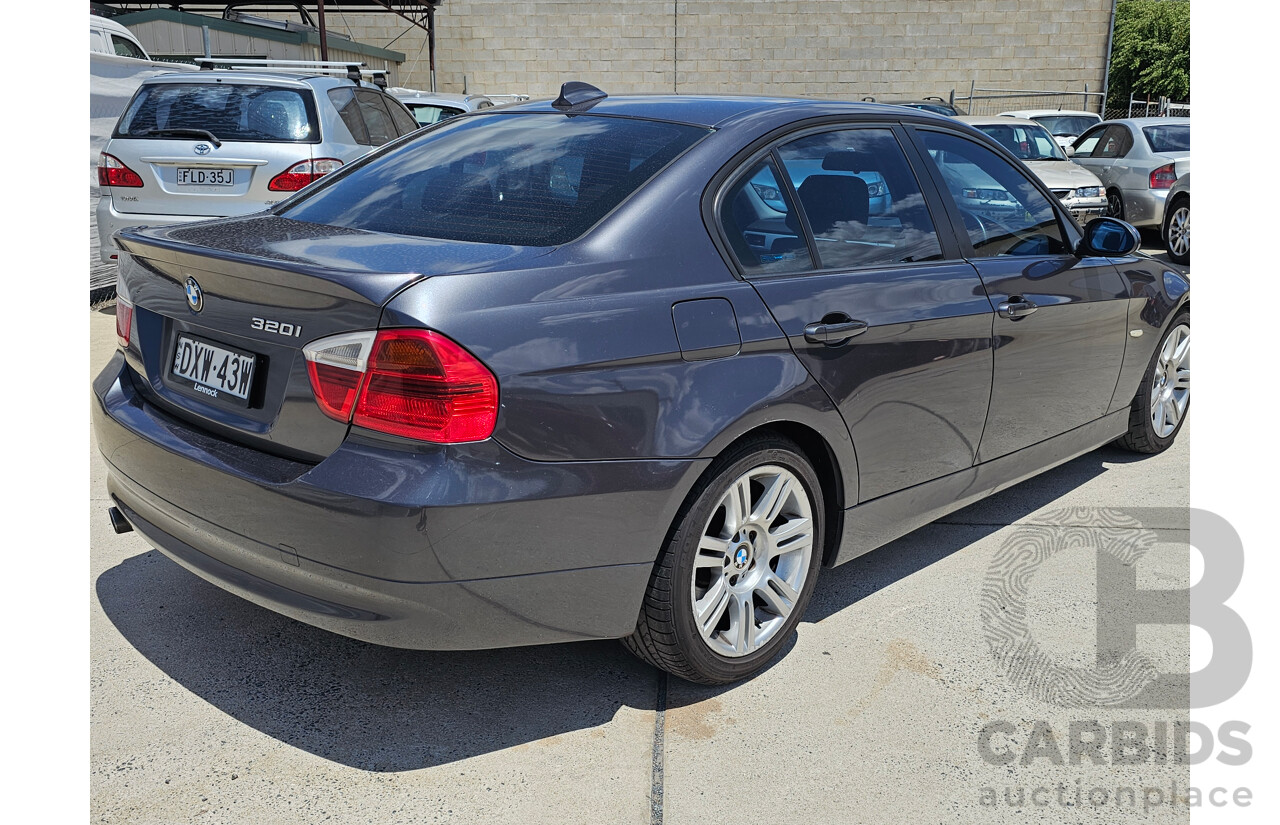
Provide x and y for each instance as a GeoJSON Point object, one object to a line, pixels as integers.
{"type": "Point", "coordinates": [202, 148]}
{"type": "Point", "coordinates": [195, 297]}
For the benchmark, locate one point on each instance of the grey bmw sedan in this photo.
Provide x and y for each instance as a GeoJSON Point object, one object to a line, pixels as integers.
{"type": "Point", "coordinates": [562, 371]}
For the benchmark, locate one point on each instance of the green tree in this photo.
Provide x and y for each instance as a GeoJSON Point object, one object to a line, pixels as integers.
{"type": "Point", "coordinates": [1150, 51]}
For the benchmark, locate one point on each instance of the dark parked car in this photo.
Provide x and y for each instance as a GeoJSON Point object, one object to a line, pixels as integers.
{"type": "Point", "coordinates": [558, 371]}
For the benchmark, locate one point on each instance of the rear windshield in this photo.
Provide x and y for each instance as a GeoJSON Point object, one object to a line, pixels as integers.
{"type": "Point", "coordinates": [429, 115]}
{"type": "Point", "coordinates": [521, 179]}
{"type": "Point", "coordinates": [1175, 137]}
{"type": "Point", "coordinates": [1067, 125]}
{"type": "Point", "coordinates": [230, 111]}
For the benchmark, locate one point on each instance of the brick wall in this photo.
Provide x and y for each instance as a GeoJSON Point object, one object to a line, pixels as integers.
{"type": "Point", "coordinates": [823, 48]}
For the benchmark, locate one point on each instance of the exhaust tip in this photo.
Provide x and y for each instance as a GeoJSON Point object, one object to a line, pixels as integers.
{"type": "Point", "coordinates": [118, 522]}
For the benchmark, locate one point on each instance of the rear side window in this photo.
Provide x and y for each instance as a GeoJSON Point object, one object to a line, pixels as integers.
{"type": "Point", "coordinates": [524, 179]}
{"type": "Point", "coordinates": [231, 111]}
{"type": "Point", "coordinates": [344, 100]}
{"type": "Point", "coordinates": [403, 120]}
{"type": "Point", "coordinates": [1175, 137]}
{"type": "Point", "coordinates": [376, 118]}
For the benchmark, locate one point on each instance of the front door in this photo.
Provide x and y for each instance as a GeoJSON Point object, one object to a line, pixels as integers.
{"type": "Point", "coordinates": [1060, 319]}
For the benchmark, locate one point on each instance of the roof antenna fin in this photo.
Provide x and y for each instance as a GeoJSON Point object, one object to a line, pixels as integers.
{"type": "Point", "coordinates": [576, 96]}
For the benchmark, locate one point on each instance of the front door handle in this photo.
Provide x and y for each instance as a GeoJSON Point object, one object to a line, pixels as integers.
{"type": "Point", "coordinates": [1016, 307]}
{"type": "Point", "coordinates": [837, 332]}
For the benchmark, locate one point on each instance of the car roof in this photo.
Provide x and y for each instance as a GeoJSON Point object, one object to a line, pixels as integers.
{"type": "Point", "coordinates": [295, 79]}
{"type": "Point", "coordinates": [997, 120]}
{"type": "Point", "coordinates": [1151, 121]}
{"type": "Point", "coordinates": [717, 110]}
{"type": "Point", "coordinates": [1031, 113]}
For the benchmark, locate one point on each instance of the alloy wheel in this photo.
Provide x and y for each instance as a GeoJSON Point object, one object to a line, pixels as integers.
{"type": "Point", "coordinates": [1180, 232]}
{"type": "Point", "coordinates": [753, 558]}
{"type": "Point", "coordinates": [1171, 382]}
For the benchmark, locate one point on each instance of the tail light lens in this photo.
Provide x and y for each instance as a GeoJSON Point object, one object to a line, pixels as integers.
{"type": "Point", "coordinates": [301, 174]}
{"type": "Point", "coordinates": [124, 313]}
{"type": "Point", "coordinates": [413, 383]}
{"type": "Point", "coordinates": [124, 321]}
{"type": "Point", "coordinates": [111, 172]}
{"type": "Point", "coordinates": [1164, 177]}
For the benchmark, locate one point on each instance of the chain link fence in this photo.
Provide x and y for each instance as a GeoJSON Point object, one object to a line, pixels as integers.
{"type": "Point", "coordinates": [994, 101]}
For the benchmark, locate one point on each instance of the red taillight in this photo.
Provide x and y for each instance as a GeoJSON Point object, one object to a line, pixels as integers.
{"type": "Point", "coordinates": [111, 172]}
{"type": "Point", "coordinates": [1163, 178]}
{"type": "Point", "coordinates": [301, 174]}
{"type": "Point", "coordinates": [422, 385]}
{"type": "Point", "coordinates": [124, 321]}
{"type": "Point", "coordinates": [408, 382]}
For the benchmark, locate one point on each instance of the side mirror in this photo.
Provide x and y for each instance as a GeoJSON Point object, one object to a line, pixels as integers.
{"type": "Point", "coordinates": [1108, 238]}
{"type": "Point", "coordinates": [1069, 150]}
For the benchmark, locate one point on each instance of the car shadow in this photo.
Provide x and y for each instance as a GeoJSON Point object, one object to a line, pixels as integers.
{"type": "Point", "coordinates": [384, 709]}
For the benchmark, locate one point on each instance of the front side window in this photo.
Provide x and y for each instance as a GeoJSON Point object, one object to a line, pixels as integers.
{"type": "Point", "coordinates": [1115, 143]}
{"type": "Point", "coordinates": [1087, 143]}
{"type": "Point", "coordinates": [1003, 212]}
{"type": "Point", "coordinates": [862, 201]}
{"type": "Point", "coordinates": [1025, 142]}
{"type": "Point", "coordinates": [231, 111]}
{"type": "Point", "coordinates": [127, 48]}
{"type": "Point", "coordinates": [521, 179]}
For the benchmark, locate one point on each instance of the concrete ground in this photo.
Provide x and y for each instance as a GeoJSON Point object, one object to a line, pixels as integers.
{"type": "Point", "coordinates": [206, 708]}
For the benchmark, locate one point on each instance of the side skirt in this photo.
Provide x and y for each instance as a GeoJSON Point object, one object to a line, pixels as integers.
{"type": "Point", "coordinates": [877, 522]}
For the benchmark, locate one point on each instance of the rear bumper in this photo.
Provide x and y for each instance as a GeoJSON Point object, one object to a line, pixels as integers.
{"type": "Point", "coordinates": [465, 547]}
{"type": "Point", "coordinates": [1144, 207]}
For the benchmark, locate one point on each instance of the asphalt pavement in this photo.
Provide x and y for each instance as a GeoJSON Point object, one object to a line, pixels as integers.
{"type": "Point", "coordinates": [895, 703]}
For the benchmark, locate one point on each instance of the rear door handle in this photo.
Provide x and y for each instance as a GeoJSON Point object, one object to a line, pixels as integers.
{"type": "Point", "coordinates": [1016, 307]}
{"type": "Point", "coordinates": [833, 333]}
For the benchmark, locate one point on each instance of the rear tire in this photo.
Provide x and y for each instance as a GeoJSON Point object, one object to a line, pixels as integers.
{"type": "Point", "coordinates": [738, 569]}
{"type": "Point", "coordinates": [1164, 397]}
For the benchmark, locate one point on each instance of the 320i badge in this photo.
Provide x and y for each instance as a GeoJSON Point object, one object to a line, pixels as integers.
{"type": "Point", "coordinates": [633, 368]}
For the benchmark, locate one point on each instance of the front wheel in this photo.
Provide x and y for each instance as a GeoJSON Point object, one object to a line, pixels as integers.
{"type": "Point", "coordinates": [1115, 205]}
{"type": "Point", "coordinates": [1163, 398]}
{"type": "Point", "coordinates": [1177, 231]}
{"type": "Point", "coordinates": [738, 570]}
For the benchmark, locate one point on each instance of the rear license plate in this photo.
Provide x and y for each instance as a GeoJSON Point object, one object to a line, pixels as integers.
{"type": "Point", "coordinates": [196, 176]}
{"type": "Point", "coordinates": [214, 370]}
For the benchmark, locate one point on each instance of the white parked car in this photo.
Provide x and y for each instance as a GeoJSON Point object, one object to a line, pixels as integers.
{"type": "Point", "coordinates": [1064, 124]}
{"type": "Point", "coordinates": [429, 108]}
{"type": "Point", "coordinates": [1078, 188]}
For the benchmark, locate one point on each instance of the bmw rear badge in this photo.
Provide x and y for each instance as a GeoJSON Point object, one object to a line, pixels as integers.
{"type": "Point", "coordinates": [202, 148]}
{"type": "Point", "coordinates": [195, 296]}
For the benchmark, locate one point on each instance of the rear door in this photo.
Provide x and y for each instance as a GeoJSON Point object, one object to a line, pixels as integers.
{"type": "Point", "coordinates": [837, 235]}
{"type": "Point", "coordinates": [212, 149]}
{"type": "Point", "coordinates": [1098, 148]}
{"type": "Point", "coordinates": [1061, 319]}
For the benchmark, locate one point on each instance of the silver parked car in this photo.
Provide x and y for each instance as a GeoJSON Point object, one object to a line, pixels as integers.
{"type": "Point", "coordinates": [1138, 161]}
{"type": "Point", "coordinates": [1078, 188]}
{"type": "Point", "coordinates": [1064, 124]}
{"type": "Point", "coordinates": [429, 108]}
{"type": "Point", "coordinates": [225, 142]}
{"type": "Point", "coordinates": [1176, 231]}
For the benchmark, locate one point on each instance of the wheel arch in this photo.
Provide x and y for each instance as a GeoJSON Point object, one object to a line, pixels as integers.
{"type": "Point", "coordinates": [817, 450]}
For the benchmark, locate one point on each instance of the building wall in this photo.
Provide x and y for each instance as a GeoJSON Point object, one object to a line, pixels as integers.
{"type": "Point", "coordinates": [823, 48]}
